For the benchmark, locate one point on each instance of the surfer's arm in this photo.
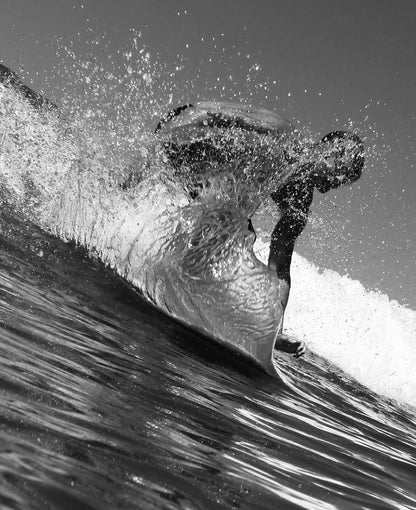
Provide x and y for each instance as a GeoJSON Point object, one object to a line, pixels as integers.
{"type": "Point", "coordinates": [293, 201]}
{"type": "Point", "coordinates": [281, 249]}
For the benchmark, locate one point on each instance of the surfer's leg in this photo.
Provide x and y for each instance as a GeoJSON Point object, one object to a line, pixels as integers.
{"type": "Point", "coordinates": [282, 244]}
{"type": "Point", "coordinates": [280, 258]}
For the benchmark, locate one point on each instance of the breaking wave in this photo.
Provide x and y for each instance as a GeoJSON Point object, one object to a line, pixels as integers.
{"type": "Point", "coordinates": [65, 173]}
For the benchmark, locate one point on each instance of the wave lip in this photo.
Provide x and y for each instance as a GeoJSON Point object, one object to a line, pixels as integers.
{"type": "Point", "coordinates": [218, 286]}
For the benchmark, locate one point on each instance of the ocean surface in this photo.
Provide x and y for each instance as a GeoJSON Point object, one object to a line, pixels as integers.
{"type": "Point", "coordinates": [106, 402]}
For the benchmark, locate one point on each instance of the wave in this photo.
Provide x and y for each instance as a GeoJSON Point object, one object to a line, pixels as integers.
{"type": "Point", "coordinates": [195, 259]}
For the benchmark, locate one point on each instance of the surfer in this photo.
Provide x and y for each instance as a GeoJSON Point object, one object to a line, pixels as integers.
{"type": "Point", "coordinates": [190, 147]}
{"type": "Point", "coordinates": [334, 161]}
{"type": "Point", "coordinates": [342, 165]}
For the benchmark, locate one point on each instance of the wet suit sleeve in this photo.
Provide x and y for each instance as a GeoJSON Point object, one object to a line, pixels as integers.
{"type": "Point", "coordinates": [294, 201]}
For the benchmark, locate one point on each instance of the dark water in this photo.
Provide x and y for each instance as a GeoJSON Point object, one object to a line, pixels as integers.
{"type": "Point", "coordinates": [107, 403]}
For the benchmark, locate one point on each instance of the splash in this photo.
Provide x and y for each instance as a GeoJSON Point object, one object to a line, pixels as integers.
{"type": "Point", "coordinates": [193, 259]}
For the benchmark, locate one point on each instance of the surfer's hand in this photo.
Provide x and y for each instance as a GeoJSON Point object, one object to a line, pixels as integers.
{"type": "Point", "coordinates": [290, 344]}
{"type": "Point", "coordinates": [301, 349]}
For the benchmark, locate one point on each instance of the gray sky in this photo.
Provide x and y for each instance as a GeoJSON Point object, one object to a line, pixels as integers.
{"type": "Point", "coordinates": [324, 64]}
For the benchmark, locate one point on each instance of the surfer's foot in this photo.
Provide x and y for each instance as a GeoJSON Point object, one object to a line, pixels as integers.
{"type": "Point", "coordinates": [290, 344]}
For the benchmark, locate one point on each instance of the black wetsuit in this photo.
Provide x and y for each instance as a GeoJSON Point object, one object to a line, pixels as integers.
{"type": "Point", "coordinates": [294, 200]}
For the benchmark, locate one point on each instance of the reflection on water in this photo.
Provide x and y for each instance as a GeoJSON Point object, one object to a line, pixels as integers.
{"type": "Point", "coordinates": [106, 403]}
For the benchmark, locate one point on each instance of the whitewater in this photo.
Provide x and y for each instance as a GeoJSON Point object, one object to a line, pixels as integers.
{"type": "Point", "coordinates": [366, 334]}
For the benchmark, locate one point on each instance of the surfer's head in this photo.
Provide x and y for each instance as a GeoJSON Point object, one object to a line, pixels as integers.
{"type": "Point", "coordinates": [343, 153]}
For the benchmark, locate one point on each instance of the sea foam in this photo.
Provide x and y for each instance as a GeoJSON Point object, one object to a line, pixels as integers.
{"type": "Point", "coordinates": [367, 335]}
